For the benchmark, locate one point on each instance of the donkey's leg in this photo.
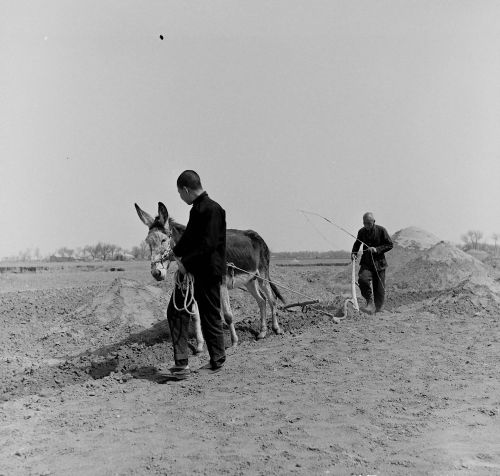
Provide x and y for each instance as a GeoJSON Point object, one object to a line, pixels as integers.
{"type": "Point", "coordinates": [197, 328]}
{"type": "Point", "coordinates": [253, 289]}
{"type": "Point", "coordinates": [268, 293]}
{"type": "Point", "coordinates": [227, 313]}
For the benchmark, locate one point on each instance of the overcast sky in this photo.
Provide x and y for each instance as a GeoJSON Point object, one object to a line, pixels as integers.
{"type": "Point", "coordinates": [336, 107]}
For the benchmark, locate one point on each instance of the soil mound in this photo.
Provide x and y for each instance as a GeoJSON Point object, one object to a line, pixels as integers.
{"type": "Point", "coordinates": [414, 238]}
{"type": "Point", "coordinates": [441, 267]}
{"type": "Point", "coordinates": [127, 303]}
{"type": "Point", "coordinates": [446, 280]}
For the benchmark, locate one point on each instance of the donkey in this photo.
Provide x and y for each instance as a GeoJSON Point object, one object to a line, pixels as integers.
{"type": "Point", "coordinates": [248, 268]}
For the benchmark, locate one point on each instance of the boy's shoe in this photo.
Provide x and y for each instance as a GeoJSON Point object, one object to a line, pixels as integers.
{"type": "Point", "coordinates": [180, 373]}
{"type": "Point", "coordinates": [178, 368]}
{"type": "Point", "coordinates": [209, 369]}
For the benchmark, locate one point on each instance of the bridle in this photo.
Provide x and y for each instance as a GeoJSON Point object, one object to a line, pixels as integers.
{"type": "Point", "coordinates": [165, 255]}
{"type": "Point", "coordinates": [161, 260]}
{"type": "Point", "coordinates": [185, 283]}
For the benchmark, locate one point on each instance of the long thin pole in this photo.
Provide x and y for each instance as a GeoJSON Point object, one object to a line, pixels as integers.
{"type": "Point", "coordinates": [332, 223]}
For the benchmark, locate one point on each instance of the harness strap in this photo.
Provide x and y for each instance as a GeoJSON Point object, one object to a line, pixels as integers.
{"type": "Point", "coordinates": [231, 266]}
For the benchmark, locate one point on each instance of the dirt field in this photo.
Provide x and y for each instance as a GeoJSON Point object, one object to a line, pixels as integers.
{"type": "Point", "coordinates": [414, 390]}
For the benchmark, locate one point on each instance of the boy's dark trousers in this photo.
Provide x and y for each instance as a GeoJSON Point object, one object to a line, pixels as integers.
{"type": "Point", "coordinates": [207, 295]}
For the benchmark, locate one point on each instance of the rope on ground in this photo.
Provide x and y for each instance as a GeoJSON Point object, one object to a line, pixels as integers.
{"type": "Point", "coordinates": [304, 305]}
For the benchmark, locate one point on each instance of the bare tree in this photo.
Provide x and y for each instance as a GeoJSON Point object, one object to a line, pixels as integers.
{"type": "Point", "coordinates": [476, 236]}
{"type": "Point", "coordinates": [114, 251]}
{"type": "Point", "coordinates": [89, 250]}
{"type": "Point", "coordinates": [101, 251]}
{"type": "Point", "coordinates": [472, 239]}
{"type": "Point", "coordinates": [495, 237]}
{"type": "Point", "coordinates": [141, 252]}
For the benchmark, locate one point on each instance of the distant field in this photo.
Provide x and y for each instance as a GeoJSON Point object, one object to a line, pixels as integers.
{"type": "Point", "coordinates": [312, 262]}
{"type": "Point", "coordinates": [44, 266]}
{"type": "Point", "coordinates": [25, 275]}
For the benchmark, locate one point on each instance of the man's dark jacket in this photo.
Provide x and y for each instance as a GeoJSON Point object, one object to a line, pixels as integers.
{"type": "Point", "coordinates": [202, 247]}
{"type": "Point", "coordinates": [378, 238]}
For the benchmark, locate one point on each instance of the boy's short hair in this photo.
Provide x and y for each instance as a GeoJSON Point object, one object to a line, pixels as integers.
{"type": "Point", "coordinates": [189, 179]}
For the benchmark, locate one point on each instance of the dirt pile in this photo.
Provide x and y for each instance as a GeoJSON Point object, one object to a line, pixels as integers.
{"type": "Point", "coordinates": [445, 280]}
{"type": "Point", "coordinates": [127, 303]}
{"type": "Point", "coordinates": [409, 243]}
{"type": "Point", "coordinates": [413, 237]}
{"type": "Point", "coordinates": [439, 268]}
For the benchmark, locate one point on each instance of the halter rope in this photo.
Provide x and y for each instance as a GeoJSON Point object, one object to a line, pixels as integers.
{"type": "Point", "coordinates": [185, 284]}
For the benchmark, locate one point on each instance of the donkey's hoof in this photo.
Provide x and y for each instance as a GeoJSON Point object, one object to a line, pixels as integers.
{"type": "Point", "coordinates": [261, 335]}
{"type": "Point", "coordinates": [278, 330]}
{"type": "Point", "coordinates": [234, 344]}
{"type": "Point", "coordinates": [199, 349]}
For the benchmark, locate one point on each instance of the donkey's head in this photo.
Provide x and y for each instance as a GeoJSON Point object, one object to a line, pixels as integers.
{"type": "Point", "coordinates": [162, 236]}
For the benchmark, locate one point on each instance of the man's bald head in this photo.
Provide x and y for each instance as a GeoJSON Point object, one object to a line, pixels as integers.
{"type": "Point", "coordinates": [368, 220]}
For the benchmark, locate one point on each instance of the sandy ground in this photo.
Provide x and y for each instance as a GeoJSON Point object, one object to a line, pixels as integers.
{"type": "Point", "coordinates": [414, 390]}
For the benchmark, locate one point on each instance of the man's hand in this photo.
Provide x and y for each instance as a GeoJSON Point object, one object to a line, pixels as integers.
{"type": "Point", "coordinates": [354, 256]}
{"type": "Point", "coordinates": [372, 249]}
{"type": "Point", "coordinates": [180, 266]}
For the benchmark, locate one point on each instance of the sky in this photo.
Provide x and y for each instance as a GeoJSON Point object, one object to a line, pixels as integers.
{"type": "Point", "coordinates": [333, 107]}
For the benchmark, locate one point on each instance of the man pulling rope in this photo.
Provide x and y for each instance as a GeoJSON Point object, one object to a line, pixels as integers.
{"type": "Point", "coordinates": [376, 242]}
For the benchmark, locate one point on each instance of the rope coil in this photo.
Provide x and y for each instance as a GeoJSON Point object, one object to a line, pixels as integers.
{"type": "Point", "coordinates": [185, 284]}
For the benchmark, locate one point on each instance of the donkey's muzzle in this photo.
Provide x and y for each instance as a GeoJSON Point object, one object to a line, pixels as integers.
{"type": "Point", "coordinates": [159, 274]}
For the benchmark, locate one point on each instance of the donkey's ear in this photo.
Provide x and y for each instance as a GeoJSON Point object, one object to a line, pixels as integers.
{"type": "Point", "coordinates": [162, 213]}
{"type": "Point", "coordinates": [146, 218]}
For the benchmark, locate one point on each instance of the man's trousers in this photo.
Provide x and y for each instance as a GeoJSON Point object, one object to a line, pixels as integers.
{"type": "Point", "coordinates": [369, 278]}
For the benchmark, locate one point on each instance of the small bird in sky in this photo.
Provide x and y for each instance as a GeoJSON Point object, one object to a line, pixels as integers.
{"type": "Point", "coordinates": [161, 37]}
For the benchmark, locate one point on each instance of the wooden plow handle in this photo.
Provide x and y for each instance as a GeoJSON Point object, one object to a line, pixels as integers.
{"type": "Point", "coordinates": [300, 304]}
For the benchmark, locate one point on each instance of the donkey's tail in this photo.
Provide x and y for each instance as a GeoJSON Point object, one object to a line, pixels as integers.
{"type": "Point", "coordinates": [276, 292]}
{"type": "Point", "coordinates": [264, 258]}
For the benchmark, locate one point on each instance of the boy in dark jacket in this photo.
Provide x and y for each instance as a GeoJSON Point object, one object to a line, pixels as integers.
{"type": "Point", "coordinates": [201, 251]}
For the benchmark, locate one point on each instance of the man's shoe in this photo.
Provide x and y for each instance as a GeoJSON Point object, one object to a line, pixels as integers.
{"type": "Point", "coordinates": [370, 307]}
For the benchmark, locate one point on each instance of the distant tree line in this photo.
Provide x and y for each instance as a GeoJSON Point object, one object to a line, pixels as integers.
{"type": "Point", "coordinates": [472, 240]}
{"type": "Point", "coordinates": [100, 251]}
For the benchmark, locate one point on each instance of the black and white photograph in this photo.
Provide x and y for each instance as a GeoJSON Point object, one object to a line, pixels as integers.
{"type": "Point", "coordinates": [249, 238]}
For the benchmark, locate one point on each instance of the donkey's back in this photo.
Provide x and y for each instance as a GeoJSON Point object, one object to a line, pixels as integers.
{"type": "Point", "coordinates": [247, 250]}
